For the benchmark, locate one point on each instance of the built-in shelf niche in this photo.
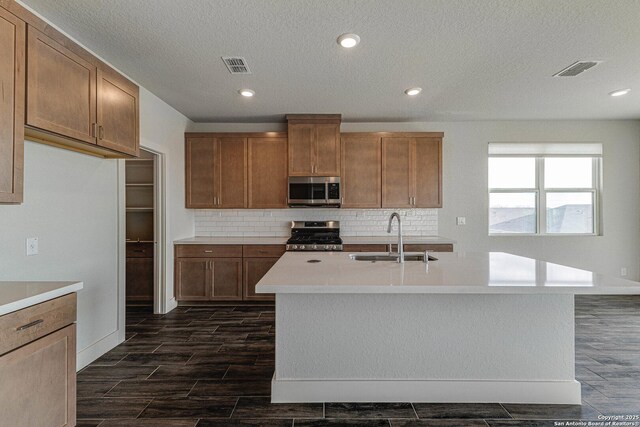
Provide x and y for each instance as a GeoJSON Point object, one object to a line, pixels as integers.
{"type": "Point", "coordinates": [139, 193]}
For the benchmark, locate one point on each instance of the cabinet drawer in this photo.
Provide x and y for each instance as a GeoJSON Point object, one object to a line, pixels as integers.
{"type": "Point", "coordinates": [26, 325]}
{"type": "Point", "coordinates": [263, 251]}
{"type": "Point", "coordinates": [140, 250]}
{"type": "Point", "coordinates": [200, 251]}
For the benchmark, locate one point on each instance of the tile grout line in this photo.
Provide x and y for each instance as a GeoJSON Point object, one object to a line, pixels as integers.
{"type": "Point", "coordinates": [143, 409]}
{"type": "Point", "coordinates": [505, 409]}
{"type": "Point", "coordinates": [154, 371]}
{"type": "Point", "coordinates": [116, 385]}
{"type": "Point", "coordinates": [414, 410]}
{"type": "Point", "coordinates": [192, 387]}
{"type": "Point", "coordinates": [234, 407]}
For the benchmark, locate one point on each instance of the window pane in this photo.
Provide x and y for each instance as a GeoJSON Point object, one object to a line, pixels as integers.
{"type": "Point", "coordinates": [512, 213]}
{"type": "Point", "coordinates": [512, 172]}
{"type": "Point", "coordinates": [570, 213]}
{"type": "Point", "coordinates": [563, 172]}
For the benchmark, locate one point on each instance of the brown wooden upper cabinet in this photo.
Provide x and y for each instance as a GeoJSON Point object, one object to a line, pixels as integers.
{"type": "Point", "coordinates": [12, 57]}
{"type": "Point", "coordinates": [412, 171]}
{"type": "Point", "coordinates": [361, 170]}
{"type": "Point", "coordinates": [70, 95]}
{"type": "Point", "coordinates": [314, 144]}
{"type": "Point", "coordinates": [216, 173]}
{"type": "Point", "coordinates": [267, 173]}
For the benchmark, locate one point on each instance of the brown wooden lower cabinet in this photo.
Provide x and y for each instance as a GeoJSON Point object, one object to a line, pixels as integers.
{"type": "Point", "coordinates": [223, 272]}
{"type": "Point", "coordinates": [139, 271]}
{"type": "Point", "coordinates": [139, 279]}
{"type": "Point", "coordinates": [254, 270]}
{"type": "Point", "coordinates": [227, 279]}
{"type": "Point", "coordinates": [209, 279]}
{"type": "Point", "coordinates": [194, 281]}
{"type": "Point", "coordinates": [38, 386]}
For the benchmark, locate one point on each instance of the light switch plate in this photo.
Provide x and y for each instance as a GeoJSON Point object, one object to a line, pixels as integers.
{"type": "Point", "coordinates": [461, 220]}
{"type": "Point", "coordinates": [32, 246]}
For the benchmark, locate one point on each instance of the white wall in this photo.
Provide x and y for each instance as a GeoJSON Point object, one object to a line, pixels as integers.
{"type": "Point", "coordinates": [70, 204]}
{"type": "Point", "coordinates": [465, 186]}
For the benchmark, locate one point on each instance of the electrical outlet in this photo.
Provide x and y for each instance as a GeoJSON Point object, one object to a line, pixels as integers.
{"type": "Point", "coordinates": [623, 272]}
{"type": "Point", "coordinates": [461, 220]}
{"type": "Point", "coordinates": [32, 246]}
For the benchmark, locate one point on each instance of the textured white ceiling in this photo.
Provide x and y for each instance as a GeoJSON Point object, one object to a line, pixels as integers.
{"type": "Point", "coordinates": [475, 59]}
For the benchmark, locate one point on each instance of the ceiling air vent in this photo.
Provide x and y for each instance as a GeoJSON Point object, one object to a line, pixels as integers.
{"type": "Point", "coordinates": [576, 68]}
{"type": "Point", "coordinates": [236, 65]}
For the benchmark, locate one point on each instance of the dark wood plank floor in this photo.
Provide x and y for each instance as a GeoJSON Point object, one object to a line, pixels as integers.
{"type": "Point", "coordinates": [212, 366]}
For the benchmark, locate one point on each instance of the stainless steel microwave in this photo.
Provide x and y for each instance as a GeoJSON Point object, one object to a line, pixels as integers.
{"type": "Point", "coordinates": [314, 191]}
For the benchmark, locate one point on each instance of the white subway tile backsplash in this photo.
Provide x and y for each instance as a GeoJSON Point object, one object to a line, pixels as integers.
{"type": "Point", "coordinates": [276, 222]}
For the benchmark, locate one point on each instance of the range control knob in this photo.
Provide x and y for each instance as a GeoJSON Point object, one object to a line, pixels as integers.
{"type": "Point", "coordinates": [334, 247]}
{"type": "Point", "coordinates": [315, 247]}
{"type": "Point", "coordinates": [302, 247]}
{"type": "Point", "coordinates": [295, 247]}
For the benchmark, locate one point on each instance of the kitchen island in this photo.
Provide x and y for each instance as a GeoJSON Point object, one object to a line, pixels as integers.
{"type": "Point", "coordinates": [469, 327]}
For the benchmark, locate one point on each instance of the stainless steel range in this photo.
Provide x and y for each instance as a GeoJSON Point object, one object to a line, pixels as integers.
{"type": "Point", "coordinates": [315, 236]}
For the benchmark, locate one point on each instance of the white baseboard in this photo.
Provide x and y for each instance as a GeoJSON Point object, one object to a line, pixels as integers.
{"type": "Point", "coordinates": [97, 349]}
{"type": "Point", "coordinates": [440, 391]}
{"type": "Point", "coordinates": [171, 304]}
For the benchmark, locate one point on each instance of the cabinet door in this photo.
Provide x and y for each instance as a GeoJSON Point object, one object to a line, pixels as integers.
{"type": "Point", "coordinates": [194, 280]}
{"type": "Point", "coordinates": [139, 283]}
{"type": "Point", "coordinates": [12, 61]}
{"type": "Point", "coordinates": [428, 175]}
{"type": "Point", "coordinates": [61, 89]}
{"type": "Point", "coordinates": [267, 173]}
{"type": "Point", "coordinates": [301, 149]}
{"type": "Point", "coordinates": [227, 279]}
{"type": "Point", "coordinates": [38, 387]}
{"type": "Point", "coordinates": [254, 270]}
{"type": "Point", "coordinates": [361, 171]}
{"type": "Point", "coordinates": [231, 173]}
{"type": "Point", "coordinates": [200, 177]}
{"type": "Point", "coordinates": [327, 150]}
{"type": "Point", "coordinates": [397, 173]}
{"type": "Point", "coordinates": [117, 112]}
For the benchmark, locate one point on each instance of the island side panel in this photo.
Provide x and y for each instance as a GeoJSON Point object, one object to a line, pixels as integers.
{"type": "Point", "coordinates": [475, 342]}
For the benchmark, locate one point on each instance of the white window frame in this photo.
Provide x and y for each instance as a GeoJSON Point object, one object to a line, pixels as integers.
{"type": "Point", "coordinates": [541, 193]}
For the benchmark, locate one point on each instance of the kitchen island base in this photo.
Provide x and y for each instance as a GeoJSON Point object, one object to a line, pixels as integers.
{"type": "Point", "coordinates": [509, 348]}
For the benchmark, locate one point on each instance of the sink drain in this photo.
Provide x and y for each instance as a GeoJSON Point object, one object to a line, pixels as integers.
{"type": "Point", "coordinates": [313, 261]}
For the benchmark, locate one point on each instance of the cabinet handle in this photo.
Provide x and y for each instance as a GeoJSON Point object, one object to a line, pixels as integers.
{"type": "Point", "coordinates": [100, 132]}
{"type": "Point", "coordinates": [93, 129]}
{"type": "Point", "coordinates": [30, 325]}
{"type": "Point", "coordinates": [208, 251]}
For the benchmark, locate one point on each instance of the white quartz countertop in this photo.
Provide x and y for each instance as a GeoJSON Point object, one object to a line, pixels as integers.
{"type": "Point", "coordinates": [18, 295]}
{"type": "Point", "coordinates": [452, 273]}
{"type": "Point", "coordinates": [347, 240]}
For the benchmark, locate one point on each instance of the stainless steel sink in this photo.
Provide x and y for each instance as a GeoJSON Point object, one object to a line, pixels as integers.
{"type": "Point", "coordinates": [390, 257]}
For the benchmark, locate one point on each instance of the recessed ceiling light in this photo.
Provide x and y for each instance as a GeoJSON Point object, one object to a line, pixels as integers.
{"type": "Point", "coordinates": [348, 40]}
{"type": "Point", "coordinates": [246, 92]}
{"type": "Point", "coordinates": [413, 91]}
{"type": "Point", "coordinates": [620, 92]}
